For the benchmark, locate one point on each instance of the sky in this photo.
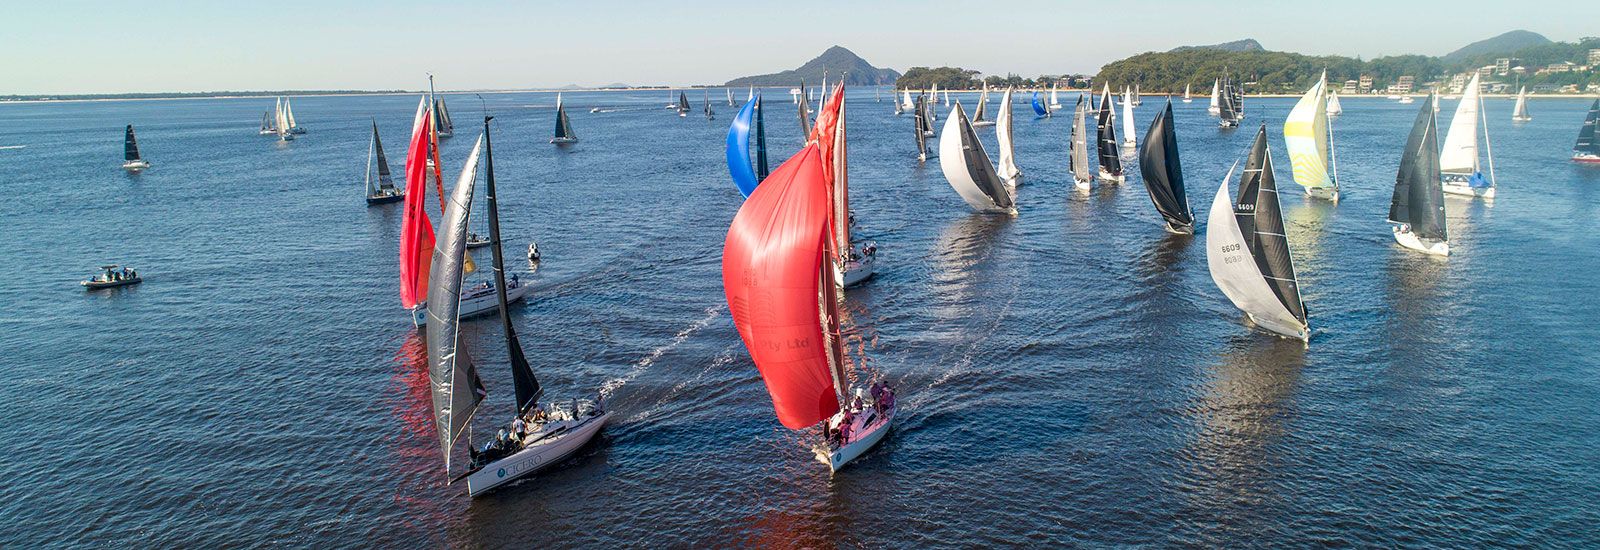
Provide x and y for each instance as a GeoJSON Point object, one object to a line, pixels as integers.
{"type": "Point", "coordinates": [77, 47]}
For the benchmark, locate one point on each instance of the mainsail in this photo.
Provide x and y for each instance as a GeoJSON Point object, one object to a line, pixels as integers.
{"type": "Point", "coordinates": [922, 130]}
{"type": "Point", "coordinates": [1519, 112]}
{"type": "Point", "coordinates": [563, 125]}
{"type": "Point", "coordinates": [1587, 147]}
{"type": "Point", "coordinates": [130, 146]}
{"type": "Point", "coordinates": [1110, 162]}
{"type": "Point", "coordinates": [416, 231]}
{"type": "Point", "coordinates": [966, 166]}
{"type": "Point", "coordinates": [683, 103]}
{"type": "Point", "coordinates": [983, 104]}
{"type": "Point", "coordinates": [1216, 97]}
{"type": "Point", "coordinates": [1307, 135]}
{"type": "Point", "coordinates": [457, 389]}
{"type": "Point", "coordinates": [1263, 284]}
{"type": "Point", "coordinates": [833, 147]}
{"type": "Point", "coordinates": [1078, 159]}
{"type": "Point", "coordinates": [375, 156]}
{"type": "Point", "coordinates": [1418, 194]}
{"type": "Point", "coordinates": [1460, 153]}
{"type": "Point", "coordinates": [1163, 173]}
{"type": "Point", "coordinates": [1007, 168]}
{"type": "Point", "coordinates": [778, 287]}
{"type": "Point", "coordinates": [1127, 118]}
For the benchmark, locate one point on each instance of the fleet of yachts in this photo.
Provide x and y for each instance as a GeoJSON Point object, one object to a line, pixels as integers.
{"type": "Point", "coordinates": [790, 253]}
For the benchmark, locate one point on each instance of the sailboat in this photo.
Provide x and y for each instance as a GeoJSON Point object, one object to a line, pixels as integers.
{"type": "Point", "coordinates": [746, 177]}
{"type": "Point", "coordinates": [1137, 98]}
{"type": "Point", "coordinates": [978, 119]}
{"type": "Point", "coordinates": [1039, 108]}
{"type": "Point", "coordinates": [683, 104]}
{"type": "Point", "coordinates": [380, 184]}
{"type": "Point", "coordinates": [855, 263]}
{"type": "Point", "coordinates": [131, 161]}
{"type": "Point", "coordinates": [1247, 250]}
{"type": "Point", "coordinates": [545, 438]}
{"type": "Point", "coordinates": [947, 98]}
{"type": "Point", "coordinates": [1078, 157]}
{"type": "Point", "coordinates": [1110, 159]}
{"type": "Point", "coordinates": [1458, 162]}
{"type": "Point", "coordinates": [730, 95]}
{"type": "Point", "coordinates": [1163, 173]}
{"type": "Point", "coordinates": [416, 230]}
{"type": "Point", "coordinates": [671, 103]}
{"type": "Point", "coordinates": [779, 283]}
{"type": "Point", "coordinates": [1055, 100]}
{"type": "Point", "coordinates": [1186, 98]}
{"type": "Point", "coordinates": [1334, 107]}
{"type": "Point", "coordinates": [1587, 148]}
{"type": "Point", "coordinates": [442, 126]}
{"type": "Point", "coordinates": [1417, 207]}
{"type": "Point", "coordinates": [1226, 116]}
{"type": "Point", "coordinates": [966, 166]}
{"type": "Point", "coordinates": [1308, 135]}
{"type": "Point", "coordinates": [288, 115]}
{"type": "Point", "coordinates": [709, 115]}
{"type": "Point", "coordinates": [285, 130]}
{"type": "Point", "coordinates": [1007, 169]}
{"type": "Point", "coordinates": [804, 112]}
{"type": "Point", "coordinates": [1519, 112]}
{"type": "Point", "coordinates": [930, 111]}
{"type": "Point", "coordinates": [905, 101]}
{"type": "Point", "coordinates": [1216, 98]}
{"type": "Point", "coordinates": [564, 133]}
{"type": "Point", "coordinates": [923, 131]}
{"type": "Point", "coordinates": [1237, 92]}
{"type": "Point", "coordinates": [269, 121]}
{"type": "Point", "coordinates": [1127, 118]}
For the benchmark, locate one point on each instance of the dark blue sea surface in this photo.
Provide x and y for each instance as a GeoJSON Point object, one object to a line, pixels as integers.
{"type": "Point", "coordinates": [1070, 375]}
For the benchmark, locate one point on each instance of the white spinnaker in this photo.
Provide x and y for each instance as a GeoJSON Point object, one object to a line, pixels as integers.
{"type": "Point", "coordinates": [953, 162]}
{"type": "Point", "coordinates": [1305, 134]}
{"type": "Point", "coordinates": [1234, 270]}
{"type": "Point", "coordinates": [1460, 152]}
{"type": "Point", "coordinates": [1127, 117]}
{"type": "Point", "coordinates": [1002, 132]}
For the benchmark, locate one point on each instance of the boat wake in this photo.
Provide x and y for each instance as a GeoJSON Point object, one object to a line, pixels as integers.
{"type": "Point", "coordinates": [721, 360]}
{"type": "Point", "coordinates": [12, 146]}
{"type": "Point", "coordinates": [649, 359]}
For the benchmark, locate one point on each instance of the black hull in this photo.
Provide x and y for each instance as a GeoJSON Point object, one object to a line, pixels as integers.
{"type": "Point", "coordinates": [385, 199]}
{"type": "Point", "coordinates": [97, 285]}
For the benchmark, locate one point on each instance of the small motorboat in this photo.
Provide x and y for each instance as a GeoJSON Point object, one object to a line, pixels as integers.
{"type": "Point", "coordinates": [112, 276]}
{"type": "Point", "coordinates": [475, 240]}
{"type": "Point", "coordinates": [533, 253]}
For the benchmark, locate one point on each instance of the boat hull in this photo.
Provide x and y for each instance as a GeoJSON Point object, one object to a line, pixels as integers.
{"type": "Point", "coordinates": [135, 166]}
{"type": "Point", "coordinates": [474, 304]}
{"type": "Point", "coordinates": [385, 198]}
{"type": "Point", "coordinates": [534, 458]}
{"type": "Point", "coordinates": [97, 285]}
{"type": "Point", "coordinates": [1427, 246]}
{"type": "Point", "coordinates": [1297, 332]}
{"type": "Point", "coordinates": [1109, 177]}
{"type": "Point", "coordinates": [1325, 193]}
{"type": "Point", "coordinates": [1464, 190]}
{"type": "Point", "coordinates": [874, 429]}
{"type": "Point", "coordinates": [858, 271]}
{"type": "Point", "coordinates": [559, 141]}
{"type": "Point", "coordinates": [1586, 158]}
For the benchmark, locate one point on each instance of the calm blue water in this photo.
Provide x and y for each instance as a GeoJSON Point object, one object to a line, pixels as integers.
{"type": "Point", "coordinates": [1070, 375]}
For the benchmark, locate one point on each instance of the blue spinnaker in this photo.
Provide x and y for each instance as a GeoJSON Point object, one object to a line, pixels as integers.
{"type": "Point", "coordinates": [1038, 106]}
{"type": "Point", "coordinates": [739, 150]}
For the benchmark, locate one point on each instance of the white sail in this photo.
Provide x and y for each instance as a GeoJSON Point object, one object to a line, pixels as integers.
{"type": "Point", "coordinates": [284, 125]}
{"type": "Point", "coordinates": [1334, 108]}
{"type": "Point", "coordinates": [1002, 132]}
{"type": "Point", "coordinates": [1460, 152]}
{"type": "Point", "coordinates": [964, 164]}
{"type": "Point", "coordinates": [1305, 134]}
{"type": "Point", "coordinates": [1216, 89]}
{"type": "Point", "coordinates": [1127, 118]}
{"type": "Point", "coordinates": [1234, 269]}
{"type": "Point", "coordinates": [1055, 101]}
{"type": "Point", "coordinates": [1520, 111]}
{"type": "Point", "coordinates": [288, 113]}
{"type": "Point", "coordinates": [1186, 92]}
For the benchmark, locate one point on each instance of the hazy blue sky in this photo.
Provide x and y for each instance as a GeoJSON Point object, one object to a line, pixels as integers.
{"type": "Point", "coordinates": [152, 45]}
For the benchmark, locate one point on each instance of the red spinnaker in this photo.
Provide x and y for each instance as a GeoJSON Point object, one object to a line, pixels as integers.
{"type": "Point", "coordinates": [772, 267]}
{"type": "Point", "coordinates": [416, 231]}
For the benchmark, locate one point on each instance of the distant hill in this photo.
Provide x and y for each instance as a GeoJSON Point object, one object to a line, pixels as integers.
{"type": "Point", "coordinates": [1246, 45]}
{"type": "Point", "coordinates": [836, 61]}
{"type": "Point", "coordinates": [1503, 45]}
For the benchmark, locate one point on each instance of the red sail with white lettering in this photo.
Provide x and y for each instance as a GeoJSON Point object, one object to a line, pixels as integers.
{"type": "Point", "coordinates": [772, 272]}
{"type": "Point", "coordinates": [416, 231]}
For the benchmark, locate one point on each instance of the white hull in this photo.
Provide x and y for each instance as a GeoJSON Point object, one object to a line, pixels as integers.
{"type": "Point", "coordinates": [1521, 118]}
{"type": "Point", "coordinates": [1297, 332]}
{"type": "Point", "coordinates": [135, 166]}
{"type": "Point", "coordinates": [870, 430]}
{"type": "Point", "coordinates": [1462, 189]}
{"type": "Point", "coordinates": [1083, 184]}
{"type": "Point", "coordinates": [1107, 177]}
{"type": "Point", "coordinates": [859, 270]}
{"type": "Point", "coordinates": [540, 455]}
{"type": "Point", "coordinates": [1410, 240]}
{"type": "Point", "coordinates": [1585, 157]}
{"type": "Point", "coordinates": [475, 303]}
{"type": "Point", "coordinates": [559, 141]}
{"type": "Point", "coordinates": [1326, 193]}
{"type": "Point", "coordinates": [983, 124]}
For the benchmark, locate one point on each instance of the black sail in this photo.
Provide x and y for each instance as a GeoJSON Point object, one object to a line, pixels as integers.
{"type": "Point", "coordinates": [457, 390]}
{"type": "Point", "coordinates": [385, 179]}
{"type": "Point", "coordinates": [1270, 246]}
{"type": "Point", "coordinates": [683, 103]}
{"type": "Point", "coordinates": [1586, 142]}
{"type": "Point", "coordinates": [527, 387]}
{"type": "Point", "coordinates": [805, 115]}
{"type": "Point", "coordinates": [761, 143]}
{"type": "Point", "coordinates": [1109, 159]}
{"type": "Point", "coordinates": [130, 146]}
{"type": "Point", "coordinates": [1163, 173]}
{"type": "Point", "coordinates": [922, 130]}
{"type": "Point", "coordinates": [563, 124]}
{"type": "Point", "coordinates": [1249, 187]}
{"type": "Point", "coordinates": [1418, 195]}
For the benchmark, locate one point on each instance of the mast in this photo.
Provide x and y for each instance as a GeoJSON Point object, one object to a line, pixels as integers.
{"type": "Point", "coordinates": [527, 386]}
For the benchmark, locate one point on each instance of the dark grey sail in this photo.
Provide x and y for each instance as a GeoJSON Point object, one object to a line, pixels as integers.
{"type": "Point", "coordinates": [1078, 157]}
{"type": "Point", "coordinates": [1269, 244]}
{"type": "Point", "coordinates": [442, 118]}
{"type": "Point", "coordinates": [683, 103]}
{"type": "Point", "coordinates": [709, 115]}
{"type": "Point", "coordinates": [761, 143]}
{"type": "Point", "coordinates": [1163, 173]}
{"type": "Point", "coordinates": [563, 125]}
{"type": "Point", "coordinates": [922, 131]}
{"type": "Point", "coordinates": [1418, 194]}
{"type": "Point", "coordinates": [977, 162]}
{"type": "Point", "coordinates": [983, 103]}
{"type": "Point", "coordinates": [266, 123]}
{"type": "Point", "coordinates": [1109, 159]}
{"type": "Point", "coordinates": [130, 146]}
{"type": "Point", "coordinates": [457, 389]}
{"type": "Point", "coordinates": [1227, 110]}
{"type": "Point", "coordinates": [1238, 99]}
{"type": "Point", "coordinates": [804, 107]}
{"type": "Point", "coordinates": [527, 386]}
{"type": "Point", "coordinates": [385, 179]}
{"type": "Point", "coordinates": [1587, 145]}
{"type": "Point", "coordinates": [1249, 187]}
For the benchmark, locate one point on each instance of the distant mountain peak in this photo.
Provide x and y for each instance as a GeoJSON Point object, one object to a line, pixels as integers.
{"type": "Point", "coordinates": [1505, 44]}
{"type": "Point", "coordinates": [835, 62]}
{"type": "Point", "coordinates": [1246, 45]}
